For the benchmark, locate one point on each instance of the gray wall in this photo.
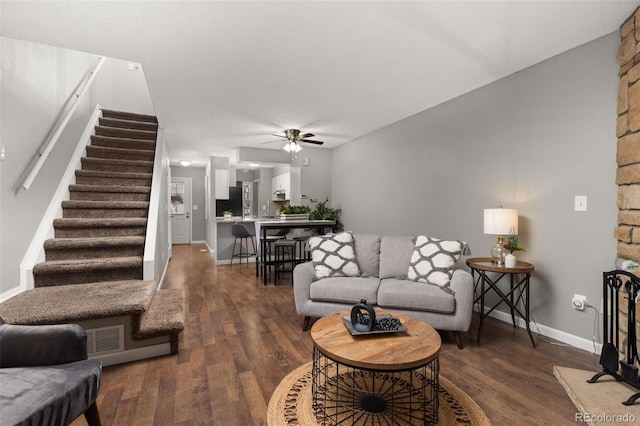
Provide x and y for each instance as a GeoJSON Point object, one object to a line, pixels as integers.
{"type": "Point", "coordinates": [530, 141]}
{"type": "Point", "coordinates": [36, 81]}
{"type": "Point", "coordinates": [315, 179]}
{"type": "Point", "coordinates": [197, 175]}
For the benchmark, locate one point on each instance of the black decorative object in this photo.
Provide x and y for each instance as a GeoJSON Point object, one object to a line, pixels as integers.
{"type": "Point", "coordinates": [616, 285]}
{"type": "Point", "coordinates": [363, 322]}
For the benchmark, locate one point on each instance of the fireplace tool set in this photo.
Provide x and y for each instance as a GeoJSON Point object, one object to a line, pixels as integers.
{"type": "Point", "coordinates": [620, 285]}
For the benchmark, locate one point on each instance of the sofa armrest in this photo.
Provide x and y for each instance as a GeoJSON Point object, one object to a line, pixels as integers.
{"type": "Point", "coordinates": [303, 275]}
{"type": "Point", "coordinates": [41, 345]}
{"type": "Point", "coordinates": [462, 285]}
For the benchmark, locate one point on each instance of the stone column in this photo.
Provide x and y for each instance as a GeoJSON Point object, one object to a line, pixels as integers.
{"type": "Point", "coordinates": [628, 157]}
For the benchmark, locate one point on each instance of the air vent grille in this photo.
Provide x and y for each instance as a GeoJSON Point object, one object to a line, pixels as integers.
{"type": "Point", "coordinates": [105, 340]}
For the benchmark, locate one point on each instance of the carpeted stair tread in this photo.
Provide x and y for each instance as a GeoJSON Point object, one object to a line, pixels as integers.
{"type": "Point", "coordinates": [73, 265]}
{"type": "Point", "coordinates": [88, 204]}
{"type": "Point", "coordinates": [98, 177]}
{"type": "Point", "coordinates": [111, 165]}
{"type": "Point", "coordinates": [109, 188]}
{"type": "Point", "coordinates": [119, 153]}
{"type": "Point", "coordinates": [117, 162]}
{"type": "Point", "coordinates": [125, 133]}
{"type": "Point", "coordinates": [165, 314]}
{"type": "Point", "coordinates": [58, 243]}
{"type": "Point", "coordinates": [77, 222]}
{"type": "Point", "coordinates": [129, 116]}
{"type": "Point", "coordinates": [113, 174]}
{"type": "Point", "coordinates": [78, 302]}
{"type": "Point", "coordinates": [110, 141]}
{"type": "Point", "coordinates": [128, 124]}
{"type": "Point", "coordinates": [109, 192]}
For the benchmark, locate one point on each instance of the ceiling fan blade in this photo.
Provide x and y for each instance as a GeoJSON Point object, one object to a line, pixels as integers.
{"type": "Point", "coordinates": [306, 135]}
{"type": "Point", "coordinates": [279, 136]}
{"type": "Point", "coordinates": [310, 141]}
{"type": "Point", "coordinates": [264, 143]}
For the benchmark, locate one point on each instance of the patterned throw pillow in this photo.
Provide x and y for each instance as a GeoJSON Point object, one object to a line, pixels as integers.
{"type": "Point", "coordinates": [333, 255]}
{"type": "Point", "coordinates": [433, 260]}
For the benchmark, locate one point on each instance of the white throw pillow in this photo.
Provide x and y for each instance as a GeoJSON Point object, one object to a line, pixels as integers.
{"type": "Point", "coordinates": [433, 260]}
{"type": "Point", "coordinates": [333, 255]}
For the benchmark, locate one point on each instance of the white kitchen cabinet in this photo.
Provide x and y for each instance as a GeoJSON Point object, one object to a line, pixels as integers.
{"type": "Point", "coordinates": [281, 186]}
{"type": "Point", "coordinates": [221, 184]}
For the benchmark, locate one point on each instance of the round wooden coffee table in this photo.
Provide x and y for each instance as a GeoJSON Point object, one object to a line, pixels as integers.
{"type": "Point", "coordinates": [375, 378]}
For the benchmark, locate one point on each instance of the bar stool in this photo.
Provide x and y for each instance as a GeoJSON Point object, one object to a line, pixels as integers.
{"type": "Point", "coordinates": [267, 246]}
{"type": "Point", "coordinates": [239, 231]}
{"type": "Point", "coordinates": [302, 250]}
{"type": "Point", "coordinates": [285, 258]}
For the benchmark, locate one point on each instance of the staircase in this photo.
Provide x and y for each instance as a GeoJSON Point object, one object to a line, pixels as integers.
{"type": "Point", "coordinates": [93, 268]}
{"type": "Point", "coordinates": [101, 234]}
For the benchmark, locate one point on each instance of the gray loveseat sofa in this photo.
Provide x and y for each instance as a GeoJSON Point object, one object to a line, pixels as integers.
{"type": "Point", "coordinates": [384, 262]}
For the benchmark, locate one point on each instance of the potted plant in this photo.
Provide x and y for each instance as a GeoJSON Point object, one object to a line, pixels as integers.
{"type": "Point", "coordinates": [322, 212]}
{"type": "Point", "coordinates": [512, 244]}
{"type": "Point", "coordinates": [294, 212]}
{"type": "Point", "coordinates": [227, 213]}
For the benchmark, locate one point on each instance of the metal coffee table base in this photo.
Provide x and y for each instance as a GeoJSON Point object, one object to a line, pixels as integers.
{"type": "Point", "coordinates": [344, 395]}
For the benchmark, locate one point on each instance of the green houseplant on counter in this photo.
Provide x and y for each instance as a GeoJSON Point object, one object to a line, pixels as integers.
{"type": "Point", "coordinates": [227, 213]}
{"type": "Point", "coordinates": [322, 212]}
{"type": "Point", "coordinates": [294, 212]}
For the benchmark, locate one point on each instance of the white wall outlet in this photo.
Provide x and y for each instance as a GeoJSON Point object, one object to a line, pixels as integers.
{"type": "Point", "coordinates": [578, 302]}
{"type": "Point", "coordinates": [580, 203]}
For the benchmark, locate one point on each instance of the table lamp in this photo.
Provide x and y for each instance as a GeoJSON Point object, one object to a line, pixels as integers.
{"type": "Point", "coordinates": [500, 222]}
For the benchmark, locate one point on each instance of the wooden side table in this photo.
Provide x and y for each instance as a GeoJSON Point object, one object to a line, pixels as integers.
{"type": "Point", "coordinates": [376, 378]}
{"type": "Point", "coordinates": [518, 288]}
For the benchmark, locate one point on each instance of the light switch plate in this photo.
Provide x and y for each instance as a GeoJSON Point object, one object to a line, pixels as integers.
{"type": "Point", "coordinates": [580, 203]}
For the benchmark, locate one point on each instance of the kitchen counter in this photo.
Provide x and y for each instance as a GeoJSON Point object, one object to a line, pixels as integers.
{"type": "Point", "coordinates": [224, 238]}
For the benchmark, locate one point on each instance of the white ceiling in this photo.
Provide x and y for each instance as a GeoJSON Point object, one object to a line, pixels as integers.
{"type": "Point", "coordinates": [224, 74]}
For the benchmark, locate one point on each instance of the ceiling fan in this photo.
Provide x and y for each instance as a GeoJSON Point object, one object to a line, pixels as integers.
{"type": "Point", "coordinates": [293, 139]}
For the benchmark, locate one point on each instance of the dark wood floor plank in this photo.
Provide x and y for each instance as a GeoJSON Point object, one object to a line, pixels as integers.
{"type": "Point", "coordinates": [241, 338]}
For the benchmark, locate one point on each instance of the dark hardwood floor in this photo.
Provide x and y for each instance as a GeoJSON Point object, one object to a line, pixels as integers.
{"type": "Point", "coordinates": [241, 338]}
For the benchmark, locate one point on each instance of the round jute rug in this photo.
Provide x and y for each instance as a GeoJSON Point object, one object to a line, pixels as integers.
{"type": "Point", "coordinates": [291, 403]}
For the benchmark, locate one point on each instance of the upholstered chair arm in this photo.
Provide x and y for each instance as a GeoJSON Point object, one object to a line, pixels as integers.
{"type": "Point", "coordinates": [41, 345]}
{"type": "Point", "coordinates": [462, 285]}
{"type": "Point", "coordinates": [303, 275]}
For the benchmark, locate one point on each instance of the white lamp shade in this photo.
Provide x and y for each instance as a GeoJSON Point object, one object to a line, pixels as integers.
{"type": "Point", "coordinates": [501, 221]}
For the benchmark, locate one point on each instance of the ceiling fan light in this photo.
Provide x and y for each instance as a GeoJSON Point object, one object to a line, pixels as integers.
{"type": "Point", "coordinates": [292, 147]}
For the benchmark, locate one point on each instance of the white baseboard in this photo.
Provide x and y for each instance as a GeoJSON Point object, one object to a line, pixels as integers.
{"type": "Point", "coordinates": [564, 337]}
{"type": "Point", "coordinates": [135, 354]}
{"type": "Point", "coordinates": [11, 292]}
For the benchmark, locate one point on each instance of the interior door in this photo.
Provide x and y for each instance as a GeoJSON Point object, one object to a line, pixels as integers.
{"type": "Point", "coordinates": [180, 210]}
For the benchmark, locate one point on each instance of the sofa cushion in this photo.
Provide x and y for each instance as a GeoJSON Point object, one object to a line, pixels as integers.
{"type": "Point", "coordinates": [367, 249]}
{"type": "Point", "coordinates": [395, 254]}
{"type": "Point", "coordinates": [411, 295]}
{"type": "Point", "coordinates": [433, 260]}
{"type": "Point", "coordinates": [333, 255]}
{"type": "Point", "coordinates": [345, 290]}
